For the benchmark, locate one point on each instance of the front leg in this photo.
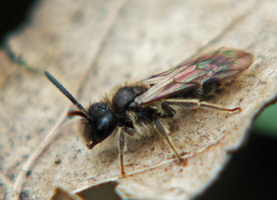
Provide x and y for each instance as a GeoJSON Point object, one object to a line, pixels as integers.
{"type": "Point", "coordinates": [121, 149]}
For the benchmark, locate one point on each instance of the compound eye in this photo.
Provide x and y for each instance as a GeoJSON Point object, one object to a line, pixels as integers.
{"type": "Point", "coordinates": [103, 126]}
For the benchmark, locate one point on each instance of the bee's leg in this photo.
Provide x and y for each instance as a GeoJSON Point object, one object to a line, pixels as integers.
{"type": "Point", "coordinates": [195, 103]}
{"type": "Point", "coordinates": [164, 132]}
{"type": "Point", "coordinates": [207, 105]}
{"type": "Point", "coordinates": [121, 149]}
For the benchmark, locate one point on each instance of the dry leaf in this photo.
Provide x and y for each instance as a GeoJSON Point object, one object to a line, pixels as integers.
{"type": "Point", "coordinates": [90, 46]}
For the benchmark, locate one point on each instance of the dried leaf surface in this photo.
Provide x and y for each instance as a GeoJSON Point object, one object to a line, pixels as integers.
{"type": "Point", "coordinates": [91, 46]}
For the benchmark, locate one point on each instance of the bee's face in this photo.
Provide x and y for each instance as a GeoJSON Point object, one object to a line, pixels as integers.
{"type": "Point", "coordinates": [101, 124]}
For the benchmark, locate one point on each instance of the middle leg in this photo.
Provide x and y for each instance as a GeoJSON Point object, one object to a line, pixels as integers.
{"type": "Point", "coordinates": [164, 132]}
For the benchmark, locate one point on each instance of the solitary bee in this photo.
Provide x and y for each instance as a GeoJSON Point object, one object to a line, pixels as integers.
{"type": "Point", "coordinates": [143, 107]}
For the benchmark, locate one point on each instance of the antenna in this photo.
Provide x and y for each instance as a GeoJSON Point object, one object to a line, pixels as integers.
{"type": "Point", "coordinates": [66, 93]}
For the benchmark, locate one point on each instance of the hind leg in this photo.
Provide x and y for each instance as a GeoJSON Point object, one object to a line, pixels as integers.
{"type": "Point", "coordinates": [196, 103]}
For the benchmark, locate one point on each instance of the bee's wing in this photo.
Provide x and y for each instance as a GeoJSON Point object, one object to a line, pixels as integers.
{"type": "Point", "coordinates": [154, 79]}
{"type": "Point", "coordinates": [216, 66]}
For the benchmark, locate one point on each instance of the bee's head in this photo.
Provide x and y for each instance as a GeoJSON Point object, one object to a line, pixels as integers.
{"type": "Point", "coordinates": [97, 125]}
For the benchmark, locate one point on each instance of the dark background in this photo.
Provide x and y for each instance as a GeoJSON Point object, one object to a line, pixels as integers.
{"type": "Point", "coordinates": [251, 172]}
{"type": "Point", "coordinates": [13, 14]}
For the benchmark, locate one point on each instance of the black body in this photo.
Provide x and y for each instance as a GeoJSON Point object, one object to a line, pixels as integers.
{"type": "Point", "coordinates": [123, 102]}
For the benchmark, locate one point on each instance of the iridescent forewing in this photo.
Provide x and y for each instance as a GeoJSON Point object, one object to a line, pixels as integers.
{"type": "Point", "coordinates": [158, 77]}
{"type": "Point", "coordinates": [216, 66]}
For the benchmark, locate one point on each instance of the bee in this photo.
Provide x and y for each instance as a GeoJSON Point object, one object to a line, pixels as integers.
{"type": "Point", "coordinates": [146, 106]}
